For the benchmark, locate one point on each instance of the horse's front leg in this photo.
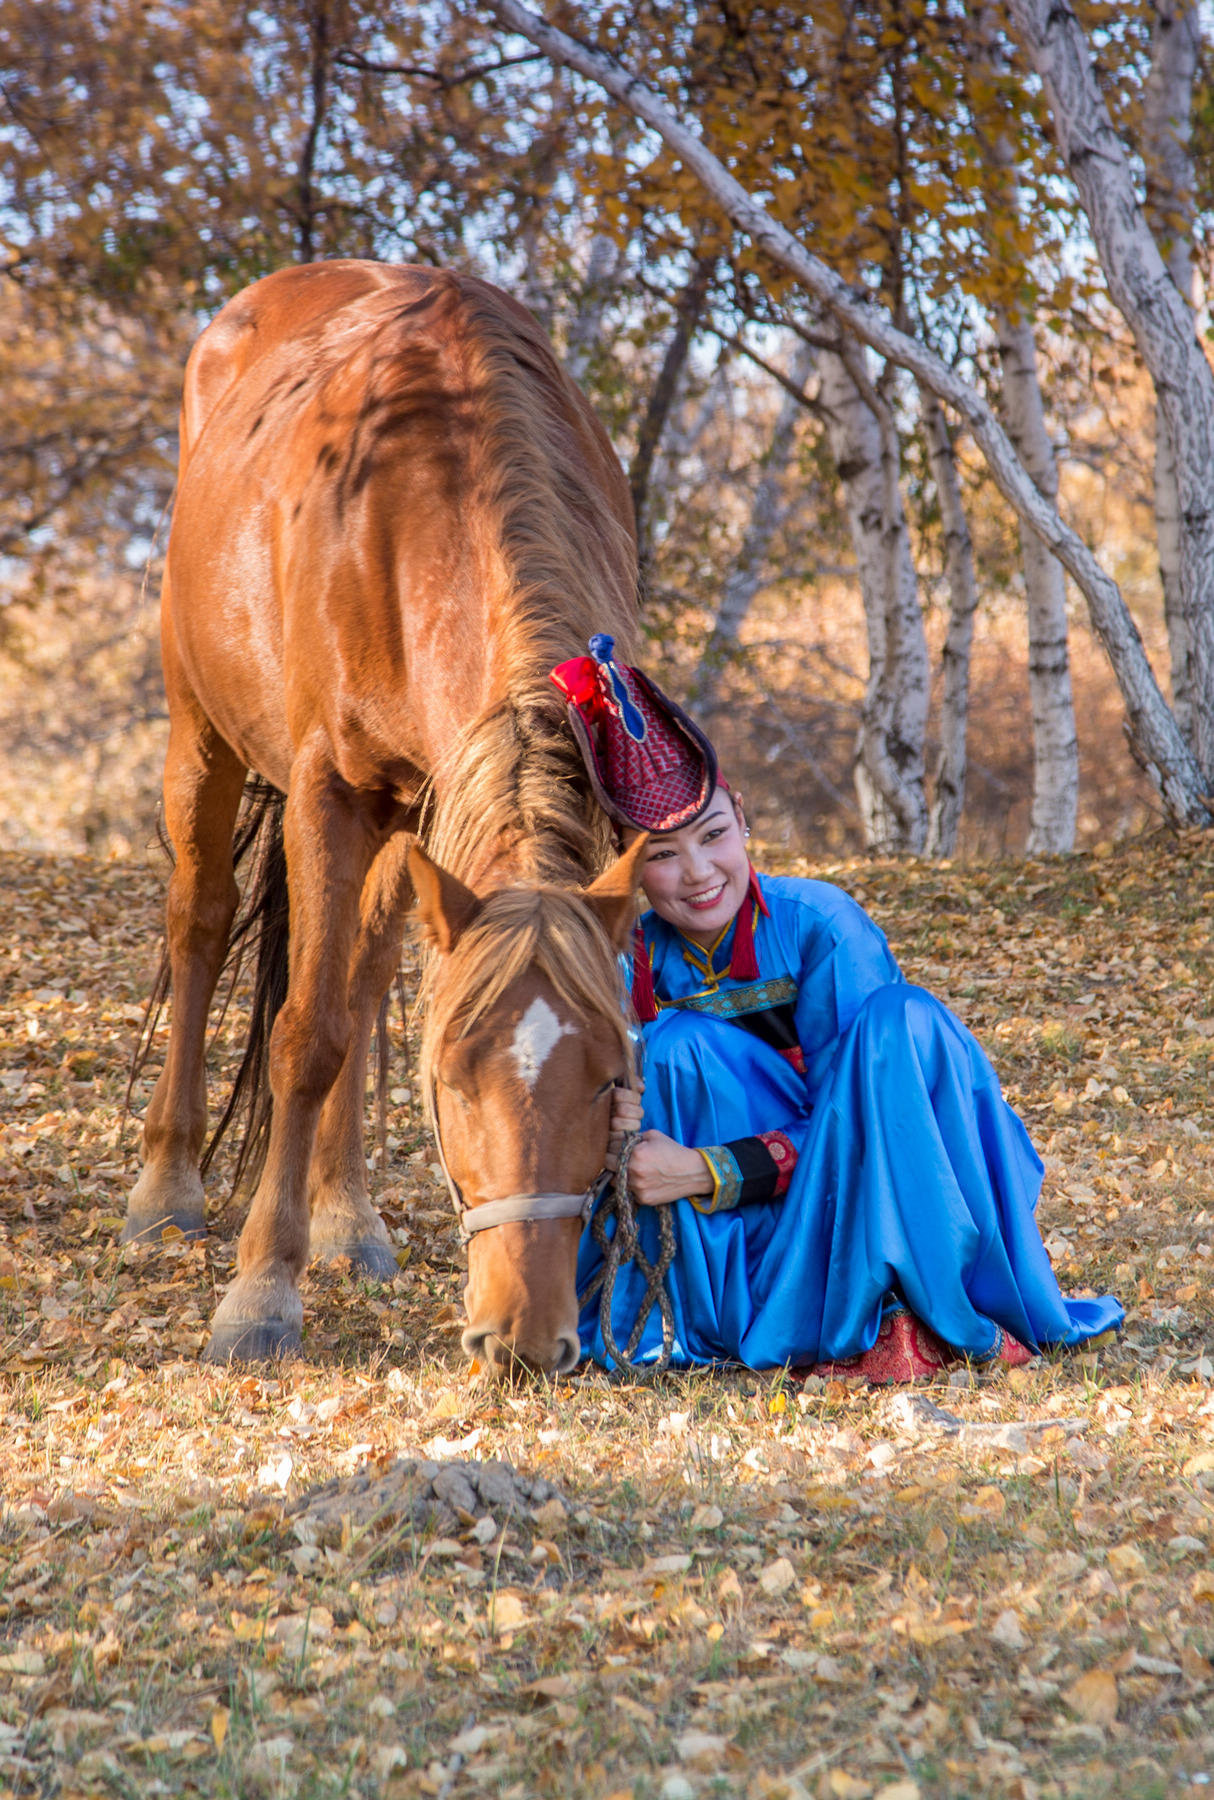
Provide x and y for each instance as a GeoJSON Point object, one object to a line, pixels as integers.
{"type": "Point", "coordinates": [329, 847]}
{"type": "Point", "coordinates": [344, 1222]}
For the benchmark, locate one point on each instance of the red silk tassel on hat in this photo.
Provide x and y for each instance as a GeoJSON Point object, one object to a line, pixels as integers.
{"type": "Point", "coordinates": [744, 963]}
{"type": "Point", "coordinates": [644, 1000]}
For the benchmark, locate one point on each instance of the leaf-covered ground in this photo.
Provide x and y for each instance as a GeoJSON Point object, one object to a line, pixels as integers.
{"type": "Point", "coordinates": [746, 1585]}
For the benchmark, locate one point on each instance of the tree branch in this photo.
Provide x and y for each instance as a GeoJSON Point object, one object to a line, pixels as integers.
{"type": "Point", "coordinates": [354, 59]}
{"type": "Point", "coordinates": [1174, 768]}
{"type": "Point", "coordinates": [790, 387]}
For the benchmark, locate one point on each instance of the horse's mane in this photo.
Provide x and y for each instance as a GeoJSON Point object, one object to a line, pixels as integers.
{"type": "Point", "coordinates": [512, 788]}
{"type": "Point", "coordinates": [519, 928]}
{"type": "Point", "coordinates": [510, 801]}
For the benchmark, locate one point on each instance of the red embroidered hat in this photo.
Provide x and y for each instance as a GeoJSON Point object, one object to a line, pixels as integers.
{"type": "Point", "coordinates": [651, 766]}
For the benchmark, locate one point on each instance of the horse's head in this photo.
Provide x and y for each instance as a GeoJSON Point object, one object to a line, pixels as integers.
{"type": "Point", "coordinates": [525, 1037]}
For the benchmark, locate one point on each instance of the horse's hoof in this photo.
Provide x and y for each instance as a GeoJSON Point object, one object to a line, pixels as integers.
{"type": "Point", "coordinates": [252, 1340]}
{"type": "Point", "coordinates": [142, 1228]}
{"type": "Point", "coordinates": [260, 1317]}
{"type": "Point", "coordinates": [368, 1256]}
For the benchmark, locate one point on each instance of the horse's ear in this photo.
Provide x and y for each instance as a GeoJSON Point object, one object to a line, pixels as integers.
{"type": "Point", "coordinates": [614, 895]}
{"type": "Point", "coordinates": [445, 907]}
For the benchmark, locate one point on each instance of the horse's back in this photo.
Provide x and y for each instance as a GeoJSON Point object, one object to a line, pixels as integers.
{"type": "Point", "coordinates": [384, 469]}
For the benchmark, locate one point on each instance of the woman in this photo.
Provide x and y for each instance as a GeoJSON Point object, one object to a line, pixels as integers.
{"type": "Point", "coordinates": [851, 1189]}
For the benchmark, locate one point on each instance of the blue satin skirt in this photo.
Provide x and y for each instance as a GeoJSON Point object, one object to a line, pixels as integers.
{"type": "Point", "coordinates": [915, 1180]}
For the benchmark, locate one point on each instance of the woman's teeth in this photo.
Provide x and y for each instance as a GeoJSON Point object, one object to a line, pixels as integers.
{"type": "Point", "coordinates": [709, 898]}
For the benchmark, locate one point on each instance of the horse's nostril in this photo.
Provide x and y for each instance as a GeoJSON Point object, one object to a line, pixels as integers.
{"type": "Point", "coordinates": [569, 1353]}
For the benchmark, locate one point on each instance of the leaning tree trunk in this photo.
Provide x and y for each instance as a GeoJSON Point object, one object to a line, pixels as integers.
{"type": "Point", "coordinates": [1167, 128]}
{"type": "Point", "coordinates": [746, 576]}
{"type": "Point", "coordinates": [1157, 314]}
{"type": "Point", "coordinates": [889, 749]}
{"type": "Point", "coordinates": [1055, 747]}
{"type": "Point", "coordinates": [640, 470]}
{"type": "Point", "coordinates": [1154, 733]}
{"type": "Point", "coordinates": [586, 330]}
{"type": "Point", "coordinates": [948, 795]}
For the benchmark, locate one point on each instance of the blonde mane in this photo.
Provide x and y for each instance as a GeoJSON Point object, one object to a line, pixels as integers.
{"type": "Point", "coordinates": [510, 802]}
{"type": "Point", "coordinates": [544, 928]}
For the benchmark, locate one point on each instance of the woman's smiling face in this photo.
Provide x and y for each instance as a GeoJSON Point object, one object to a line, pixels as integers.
{"type": "Point", "coordinates": [696, 878]}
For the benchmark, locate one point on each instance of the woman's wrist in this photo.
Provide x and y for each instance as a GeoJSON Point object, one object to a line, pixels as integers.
{"type": "Point", "coordinates": [699, 1174]}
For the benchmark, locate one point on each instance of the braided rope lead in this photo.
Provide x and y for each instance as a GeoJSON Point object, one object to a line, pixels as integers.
{"type": "Point", "coordinates": [624, 1247]}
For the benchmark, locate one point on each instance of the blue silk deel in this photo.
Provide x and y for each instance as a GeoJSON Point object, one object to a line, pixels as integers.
{"type": "Point", "coordinates": [914, 1177]}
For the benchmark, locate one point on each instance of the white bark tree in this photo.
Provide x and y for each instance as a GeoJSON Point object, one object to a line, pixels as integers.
{"type": "Point", "coordinates": [948, 789]}
{"type": "Point", "coordinates": [1055, 746]}
{"type": "Point", "coordinates": [889, 749]}
{"type": "Point", "coordinates": [745, 578]}
{"type": "Point", "coordinates": [1154, 733]}
{"type": "Point", "coordinates": [1167, 128]}
{"type": "Point", "coordinates": [1154, 309]}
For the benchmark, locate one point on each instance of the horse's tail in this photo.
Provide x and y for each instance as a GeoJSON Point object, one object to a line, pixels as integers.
{"type": "Point", "coordinates": [261, 927]}
{"type": "Point", "coordinates": [261, 930]}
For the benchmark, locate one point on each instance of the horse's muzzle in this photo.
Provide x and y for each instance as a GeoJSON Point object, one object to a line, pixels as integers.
{"type": "Point", "coordinates": [509, 1352]}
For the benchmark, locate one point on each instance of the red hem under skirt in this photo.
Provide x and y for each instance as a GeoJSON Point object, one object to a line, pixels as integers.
{"type": "Point", "coordinates": [906, 1350]}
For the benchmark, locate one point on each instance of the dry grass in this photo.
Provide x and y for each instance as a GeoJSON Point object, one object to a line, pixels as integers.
{"type": "Point", "coordinates": [757, 1588]}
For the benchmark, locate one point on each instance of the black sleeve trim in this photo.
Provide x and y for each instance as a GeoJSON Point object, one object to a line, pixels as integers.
{"type": "Point", "coordinates": [758, 1169]}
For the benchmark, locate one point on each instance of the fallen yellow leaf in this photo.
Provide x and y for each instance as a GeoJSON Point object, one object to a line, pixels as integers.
{"type": "Point", "coordinates": [551, 1515]}
{"type": "Point", "coordinates": [219, 1725]}
{"type": "Point", "coordinates": [1093, 1697]}
{"type": "Point", "coordinates": [508, 1613]}
{"type": "Point", "coordinates": [842, 1786]}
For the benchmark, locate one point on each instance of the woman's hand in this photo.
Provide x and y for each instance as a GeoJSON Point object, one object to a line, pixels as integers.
{"type": "Point", "coordinates": [626, 1112]}
{"type": "Point", "coordinates": [659, 1170]}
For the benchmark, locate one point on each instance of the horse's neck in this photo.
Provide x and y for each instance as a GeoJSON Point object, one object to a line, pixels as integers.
{"type": "Point", "coordinates": [513, 804]}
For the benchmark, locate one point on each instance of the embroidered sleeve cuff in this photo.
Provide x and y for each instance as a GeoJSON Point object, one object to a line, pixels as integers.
{"type": "Point", "coordinates": [726, 1180]}
{"type": "Point", "coordinates": [749, 1169]}
{"type": "Point", "coordinates": [783, 1153]}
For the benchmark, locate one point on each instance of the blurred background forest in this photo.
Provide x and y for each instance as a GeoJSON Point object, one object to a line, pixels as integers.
{"type": "Point", "coordinates": [157, 155]}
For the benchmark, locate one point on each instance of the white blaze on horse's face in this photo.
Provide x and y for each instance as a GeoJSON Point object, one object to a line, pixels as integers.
{"type": "Point", "coordinates": [535, 1037]}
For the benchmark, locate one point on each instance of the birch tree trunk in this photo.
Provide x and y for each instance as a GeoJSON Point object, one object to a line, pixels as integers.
{"type": "Point", "coordinates": [1167, 128]}
{"type": "Point", "coordinates": [1154, 734]}
{"type": "Point", "coordinates": [1156, 312]}
{"type": "Point", "coordinates": [1055, 747]}
{"type": "Point", "coordinates": [948, 794]}
{"type": "Point", "coordinates": [746, 576]}
{"type": "Point", "coordinates": [889, 748]}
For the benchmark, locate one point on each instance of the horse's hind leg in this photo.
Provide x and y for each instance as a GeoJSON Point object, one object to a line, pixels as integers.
{"type": "Point", "coordinates": [344, 1223]}
{"type": "Point", "coordinates": [203, 781]}
{"type": "Point", "coordinates": [330, 845]}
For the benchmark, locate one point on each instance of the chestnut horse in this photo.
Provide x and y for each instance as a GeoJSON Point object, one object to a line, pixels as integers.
{"type": "Point", "coordinates": [395, 514]}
